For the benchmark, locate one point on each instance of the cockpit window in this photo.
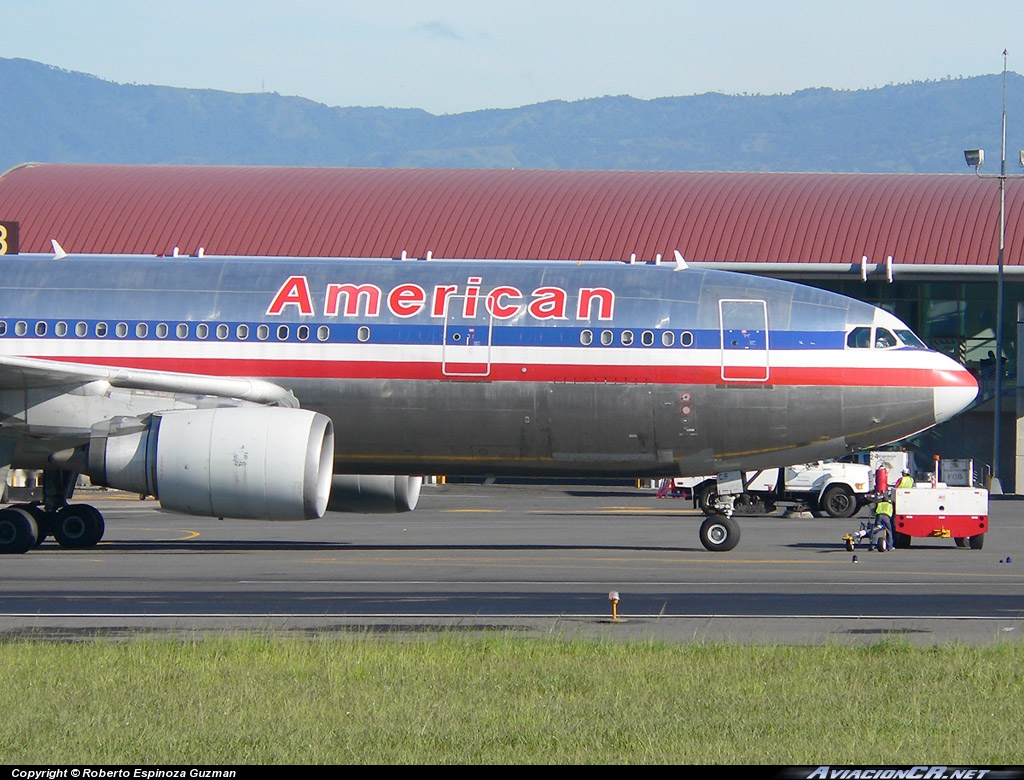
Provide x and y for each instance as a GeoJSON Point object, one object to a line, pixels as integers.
{"type": "Point", "coordinates": [859, 338]}
{"type": "Point", "coordinates": [884, 338]}
{"type": "Point", "coordinates": [865, 337]}
{"type": "Point", "coordinates": [908, 338]}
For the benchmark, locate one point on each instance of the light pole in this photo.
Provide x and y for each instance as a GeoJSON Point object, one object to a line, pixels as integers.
{"type": "Point", "coordinates": [976, 158]}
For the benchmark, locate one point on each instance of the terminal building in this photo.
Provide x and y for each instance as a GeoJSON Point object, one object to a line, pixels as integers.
{"type": "Point", "coordinates": [924, 246]}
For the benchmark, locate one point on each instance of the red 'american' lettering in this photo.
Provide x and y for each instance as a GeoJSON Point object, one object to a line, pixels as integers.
{"type": "Point", "coordinates": [406, 300]}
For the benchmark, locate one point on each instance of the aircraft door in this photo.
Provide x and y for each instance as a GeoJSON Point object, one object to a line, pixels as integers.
{"type": "Point", "coordinates": [466, 349]}
{"type": "Point", "coordinates": [744, 330]}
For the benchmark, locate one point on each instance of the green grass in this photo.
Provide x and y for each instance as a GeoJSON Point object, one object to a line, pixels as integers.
{"type": "Point", "coordinates": [503, 699]}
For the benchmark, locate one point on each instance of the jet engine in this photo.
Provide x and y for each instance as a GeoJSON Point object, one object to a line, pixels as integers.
{"type": "Point", "coordinates": [260, 462]}
{"type": "Point", "coordinates": [374, 493]}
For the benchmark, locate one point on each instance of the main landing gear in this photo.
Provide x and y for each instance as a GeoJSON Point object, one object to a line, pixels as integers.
{"type": "Point", "coordinates": [719, 532]}
{"type": "Point", "coordinates": [24, 526]}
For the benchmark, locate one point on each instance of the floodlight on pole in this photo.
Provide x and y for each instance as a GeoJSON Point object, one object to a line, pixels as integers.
{"type": "Point", "coordinates": [976, 158]}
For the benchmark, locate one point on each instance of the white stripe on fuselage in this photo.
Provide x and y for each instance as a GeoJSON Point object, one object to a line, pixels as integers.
{"type": "Point", "coordinates": [582, 355]}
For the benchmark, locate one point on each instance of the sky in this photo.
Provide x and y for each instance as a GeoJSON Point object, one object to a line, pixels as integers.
{"type": "Point", "coordinates": [453, 56]}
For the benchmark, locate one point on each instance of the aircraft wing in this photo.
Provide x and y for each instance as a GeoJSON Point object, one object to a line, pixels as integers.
{"type": "Point", "coordinates": [20, 373]}
{"type": "Point", "coordinates": [209, 445]}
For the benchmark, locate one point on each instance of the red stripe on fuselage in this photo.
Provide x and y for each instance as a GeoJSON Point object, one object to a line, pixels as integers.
{"type": "Point", "coordinates": [530, 372]}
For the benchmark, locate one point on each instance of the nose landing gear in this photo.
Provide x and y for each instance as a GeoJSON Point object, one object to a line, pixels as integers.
{"type": "Point", "coordinates": [719, 532]}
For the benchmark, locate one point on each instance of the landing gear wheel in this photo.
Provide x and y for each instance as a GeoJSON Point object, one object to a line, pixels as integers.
{"type": "Point", "coordinates": [18, 531]}
{"type": "Point", "coordinates": [747, 504]}
{"type": "Point", "coordinates": [901, 541]}
{"type": "Point", "coordinates": [976, 542]}
{"type": "Point", "coordinates": [839, 501]}
{"type": "Point", "coordinates": [707, 498]}
{"type": "Point", "coordinates": [42, 519]}
{"type": "Point", "coordinates": [78, 525]}
{"type": "Point", "coordinates": [719, 533]}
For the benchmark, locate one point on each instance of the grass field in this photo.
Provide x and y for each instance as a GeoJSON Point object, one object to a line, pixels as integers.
{"type": "Point", "coordinates": [503, 699]}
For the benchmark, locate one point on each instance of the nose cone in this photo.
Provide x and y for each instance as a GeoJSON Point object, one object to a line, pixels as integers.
{"type": "Point", "coordinates": [955, 390]}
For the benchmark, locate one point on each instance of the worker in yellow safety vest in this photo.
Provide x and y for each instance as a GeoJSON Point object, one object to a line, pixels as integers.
{"type": "Point", "coordinates": [883, 514]}
{"type": "Point", "coordinates": [905, 481]}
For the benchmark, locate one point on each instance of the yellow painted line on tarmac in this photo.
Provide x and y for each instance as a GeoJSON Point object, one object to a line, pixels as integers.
{"type": "Point", "coordinates": [570, 561]}
{"type": "Point", "coordinates": [184, 535]}
{"type": "Point", "coordinates": [576, 512]}
{"type": "Point", "coordinates": [618, 510]}
{"type": "Point", "coordinates": [111, 495]}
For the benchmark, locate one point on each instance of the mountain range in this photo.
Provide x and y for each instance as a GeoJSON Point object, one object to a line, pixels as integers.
{"type": "Point", "coordinates": [55, 115]}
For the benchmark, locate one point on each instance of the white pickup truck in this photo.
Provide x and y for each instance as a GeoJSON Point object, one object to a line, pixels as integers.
{"type": "Point", "coordinates": [830, 488]}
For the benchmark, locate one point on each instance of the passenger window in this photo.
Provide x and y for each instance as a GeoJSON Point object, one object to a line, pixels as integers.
{"type": "Point", "coordinates": [262, 332]}
{"type": "Point", "coordinates": [101, 330]}
{"type": "Point", "coordinates": [323, 333]}
{"type": "Point", "coordinates": [686, 339]}
{"type": "Point", "coordinates": [627, 337]}
{"type": "Point", "coordinates": [587, 337]}
{"type": "Point", "coordinates": [40, 328]}
{"type": "Point", "coordinates": [141, 330]}
{"type": "Point", "coordinates": [182, 330]}
{"type": "Point", "coordinates": [859, 338]}
{"type": "Point", "coordinates": [121, 330]}
{"type": "Point", "coordinates": [242, 332]}
{"type": "Point", "coordinates": [223, 331]}
{"type": "Point", "coordinates": [302, 332]}
{"type": "Point", "coordinates": [161, 330]}
{"type": "Point", "coordinates": [668, 338]}
{"type": "Point", "coordinates": [606, 337]}
{"type": "Point", "coordinates": [202, 330]}
{"type": "Point", "coordinates": [647, 338]}
{"type": "Point", "coordinates": [282, 332]}
{"type": "Point", "coordinates": [363, 334]}
{"type": "Point", "coordinates": [81, 329]}
{"type": "Point", "coordinates": [61, 329]}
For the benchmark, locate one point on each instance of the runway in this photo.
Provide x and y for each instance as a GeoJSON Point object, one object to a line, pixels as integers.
{"type": "Point", "coordinates": [540, 561]}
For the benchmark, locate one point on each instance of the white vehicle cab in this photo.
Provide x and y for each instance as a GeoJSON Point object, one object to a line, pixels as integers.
{"type": "Point", "coordinates": [825, 487]}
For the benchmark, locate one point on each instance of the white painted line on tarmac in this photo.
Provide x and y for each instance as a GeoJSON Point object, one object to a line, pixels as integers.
{"type": "Point", "coordinates": [655, 616]}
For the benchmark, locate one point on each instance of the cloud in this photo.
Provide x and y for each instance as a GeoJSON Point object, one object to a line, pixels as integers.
{"type": "Point", "coordinates": [438, 30]}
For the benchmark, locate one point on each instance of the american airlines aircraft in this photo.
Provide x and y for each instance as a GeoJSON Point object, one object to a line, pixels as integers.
{"type": "Point", "coordinates": [279, 388]}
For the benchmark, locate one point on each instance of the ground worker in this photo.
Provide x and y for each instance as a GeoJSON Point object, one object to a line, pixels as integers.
{"type": "Point", "coordinates": [883, 515]}
{"type": "Point", "coordinates": [905, 481]}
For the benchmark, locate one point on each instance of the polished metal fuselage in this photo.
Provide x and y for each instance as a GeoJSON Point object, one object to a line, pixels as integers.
{"type": "Point", "coordinates": [494, 367]}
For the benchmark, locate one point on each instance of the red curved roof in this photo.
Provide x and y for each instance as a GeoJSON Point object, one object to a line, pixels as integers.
{"type": "Point", "coordinates": [572, 215]}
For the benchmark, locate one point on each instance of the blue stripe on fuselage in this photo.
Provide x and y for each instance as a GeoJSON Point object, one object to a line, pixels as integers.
{"type": "Point", "coordinates": [502, 335]}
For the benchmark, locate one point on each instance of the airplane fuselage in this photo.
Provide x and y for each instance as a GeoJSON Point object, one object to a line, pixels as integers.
{"type": "Point", "coordinates": [499, 367]}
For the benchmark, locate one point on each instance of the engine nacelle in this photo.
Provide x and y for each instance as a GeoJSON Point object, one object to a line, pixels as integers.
{"type": "Point", "coordinates": [261, 462]}
{"type": "Point", "coordinates": [374, 493]}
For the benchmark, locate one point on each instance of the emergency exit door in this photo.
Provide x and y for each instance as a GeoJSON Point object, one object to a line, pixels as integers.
{"type": "Point", "coordinates": [744, 331]}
